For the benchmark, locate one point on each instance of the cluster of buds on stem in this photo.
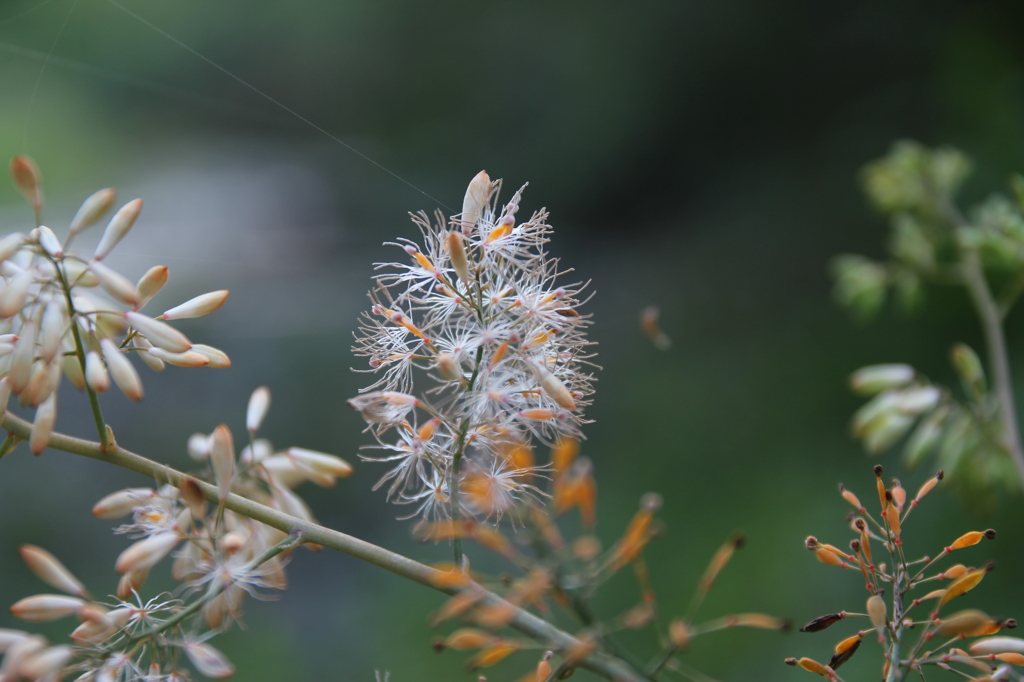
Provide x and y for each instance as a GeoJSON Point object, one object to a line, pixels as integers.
{"type": "Point", "coordinates": [892, 613]}
{"type": "Point", "coordinates": [218, 557]}
{"type": "Point", "coordinates": [66, 314]}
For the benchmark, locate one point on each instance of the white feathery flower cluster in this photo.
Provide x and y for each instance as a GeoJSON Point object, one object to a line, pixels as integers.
{"type": "Point", "coordinates": [475, 319]}
{"type": "Point", "coordinates": [64, 314]}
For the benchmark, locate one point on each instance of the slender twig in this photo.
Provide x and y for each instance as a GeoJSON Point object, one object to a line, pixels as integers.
{"type": "Point", "coordinates": [8, 444]}
{"type": "Point", "coordinates": [607, 666]}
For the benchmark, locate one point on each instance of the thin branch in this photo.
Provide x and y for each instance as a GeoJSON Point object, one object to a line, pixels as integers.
{"type": "Point", "coordinates": [609, 667]}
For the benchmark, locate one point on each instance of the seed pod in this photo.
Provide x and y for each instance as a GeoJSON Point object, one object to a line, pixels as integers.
{"type": "Point", "coordinates": [927, 486]}
{"type": "Point", "coordinates": [822, 622]}
{"type": "Point", "coordinates": [117, 228]}
{"type": "Point", "coordinates": [968, 623]}
{"type": "Point", "coordinates": [50, 570]}
{"type": "Point", "coordinates": [40, 608]}
{"type": "Point", "coordinates": [92, 209]}
{"type": "Point", "coordinates": [259, 405]}
{"type": "Point", "coordinates": [121, 370]}
{"type": "Point", "coordinates": [198, 306]}
{"type": "Point", "coordinates": [811, 665]}
{"type": "Point", "coordinates": [475, 201]}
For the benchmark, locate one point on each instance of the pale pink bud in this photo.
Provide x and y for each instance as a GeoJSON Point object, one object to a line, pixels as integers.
{"type": "Point", "coordinates": [92, 209]}
{"type": "Point", "coordinates": [21, 361]}
{"type": "Point", "coordinates": [10, 244]}
{"type": "Point", "coordinates": [45, 607]}
{"type": "Point", "coordinates": [50, 570]}
{"type": "Point", "coordinates": [9, 637]}
{"type": "Point", "coordinates": [131, 582]}
{"type": "Point", "coordinates": [259, 404]}
{"type": "Point", "coordinates": [45, 662]}
{"type": "Point", "coordinates": [383, 407]}
{"type": "Point", "coordinates": [457, 252]}
{"type": "Point", "coordinates": [28, 180]}
{"type": "Point", "coordinates": [475, 201]}
{"type": "Point", "coordinates": [222, 456]}
{"type": "Point", "coordinates": [998, 645]}
{"type": "Point", "coordinates": [48, 241]}
{"type": "Point", "coordinates": [287, 473]}
{"type": "Point", "coordinates": [203, 304]}
{"type": "Point", "coordinates": [208, 661]}
{"type": "Point", "coordinates": [159, 333]}
{"type": "Point", "coordinates": [150, 283]}
{"type": "Point", "coordinates": [186, 359]}
{"type": "Point", "coordinates": [42, 425]}
{"type": "Point", "coordinates": [218, 358]}
{"type": "Point", "coordinates": [551, 385]}
{"type": "Point", "coordinates": [12, 297]}
{"type": "Point", "coordinates": [96, 372]}
{"type": "Point", "coordinates": [448, 366]}
{"type": "Point", "coordinates": [114, 283]}
{"type": "Point", "coordinates": [320, 462]}
{"type": "Point", "coordinates": [94, 631]}
{"type": "Point", "coordinates": [51, 330]}
{"type": "Point", "coordinates": [155, 363]}
{"type": "Point", "coordinates": [121, 503]}
{"type": "Point", "coordinates": [17, 653]}
{"type": "Point", "coordinates": [117, 228]}
{"type": "Point", "coordinates": [146, 553]}
{"type": "Point", "coordinates": [121, 370]}
{"type": "Point", "coordinates": [44, 380]}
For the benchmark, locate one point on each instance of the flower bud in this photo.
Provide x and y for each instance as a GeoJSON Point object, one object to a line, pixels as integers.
{"type": "Point", "coordinates": [42, 425]}
{"type": "Point", "coordinates": [146, 553]}
{"type": "Point", "coordinates": [208, 661]}
{"type": "Point", "coordinates": [969, 367]}
{"type": "Point", "coordinates": [28, 180]}
{"type": "Point", "coordinates": [9, 637]}
{"type": "Point", "coordinates": [259, 405]}
{"type": "Point", "coordinates": [121, 370]}
{"type": "Point", "coordinates": [222, 456]}
{"type": "Point", "coordinates": [10, 244]}
{"type": "Point", "coordinates": [475, 201]}
{"type": "Point", "coordinates": [48, 241]}
{"type": "Point", "coordinates": [457, 253]}
{"type": "Point", "coordinates": [159, 333]}
{"type": "Point", "coordinates": [319, 462]}
{"type": "Point", "coordinates": [14, 293]}
{"type": "Point", "coordinates": [46, 662]}
{"type": "Point", "coordinates": [92, 209]}
{"type": "Point", "coordinates": [448, 367]}
{"type": "Point", "coordinates": [96, 372]}
{"type": "Point", "coordinates": [50, 570]}
{"type": "Point", "coordinates": [114, 283]}
{"type": "Point", "coordinates": [149, 284]}
{"type": "Point", "coordinates": [998, 645]}
{"type": "Point", "coordinates": [117, 228]}
{"type": "Point", "coordinates": [186, 359]}
{"type": "Point", "coordinates": [46, 607]}
{"type": "Point", "coordinates": [121, 503]}
{"type": "Point", "coordinates": [198, 446]}
{"type": "Point", "coordinates": [198, 306]}
{"type": "Point", "coordinates": [218, 358]}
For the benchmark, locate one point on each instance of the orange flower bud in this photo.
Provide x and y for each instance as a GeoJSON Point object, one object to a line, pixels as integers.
{"type": "Point", "coordinates": [972, 538]}
{"type": "Point", "coordinates": [679, 633]}
{"type": "Point", "coordinates": [967, 623]}
{"type": "Point", "coordinates": [493, 654]}
{"type": "Point", "coordinates": [845, 650]}
{"type": "Point", "coordinates": [469, 638]}
{"type": "Point", "coordinates": [966, 583]}
{"type": "Point", "coordinates": [719, 560]}
{"type": "Point", "coordinates": [954, 572]}
{"type": "Point", "coordinates": [850, 497]}
{"type": "Point", "coordinates": [50, 570]}
{"type": "Point", "coordinates": [27, 180]}
{"type": "Point", "coordinates": [927, 486]}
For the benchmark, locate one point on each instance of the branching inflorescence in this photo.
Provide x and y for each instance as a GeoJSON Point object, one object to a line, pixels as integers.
{"type": "Point", "coordinates": [914, 631]}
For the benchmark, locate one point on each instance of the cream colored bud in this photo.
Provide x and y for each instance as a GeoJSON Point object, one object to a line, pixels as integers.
{"type": "Point", "coordinates": [208, 661]}
{"type": "Point", "coordinates": [288, 502]}
{"type": "Point", "coordinates": [917, 399]}
{"type": "Point", "coordinates": [259, 405]}
{"type": "Point", "coordinates": [286, 472]}
{"type": "Point", "coordinates": [260, 450]}
{"type": "Point", "coordinates": [155, 363]}
{"type": "Point", "coordinates": [998, 645]}
{"type": "Point", "coordinates": [553, 387]}
{"type": "Point", "coordinates": [131, 582]}
{"type": "Point", "coordinates": [92, 209]}
{"type": "Point", "coordinates": [121, 370]}
{"type": "Point", "coordinates": [42, 425]}
{"type": "Point", "coordinates": [50, 570]}
{"type": "Point", "coordinates": [43, 381]}
{"type": "Point", "coordinates": [5, 394]}
{"type": "Point", "coordinates": [222, 456]}
{"type": "Point", "coordinates": [121, 503]}
{"type": "Point", "coordinates": [51, 330]}
{"type": "Point", "coordinates": [218, 358]}
{"type": "Point", "coordinates": [13, 295]}
{"type": "Point", "coordinates": [114, 283]}
{"type": "Point", "coordinates": [17, 654]}
{"type": "Point", "coordinates": [475, 201]}
{"type": "Point", "coordinates": [160, 334]}
{"type": "Point", "coordinates": [96, 372]}
{"type": "Point", "coordinates": [186, 359]}
{"type": "Point", "coordinates": [45, 662]}
{"type": "Point", "coordinates": [117, 228]}
{"type": "Point", "coordinates": [146, 553]}
{"type": "Point", "coordinates": [10, 244]}
{"type": "Point", "coordinates": [149, 284]}
{"type": "Point", "coordinates": [78, 274]}
{"type": "Point", "coordinates": [28, 180]}
{"type": "Point", "coordinates": [198, 306]}
{"type": "Point", "coordinates": [9, 637]}
{"type": "Point", "coordinates": [94, 631]}
{"type": "Point", "coordinates": [448, 367]}
{"type": "Point", "coordinates": [48, 241]}
{"type": "Point", "coordinates": [40, 608]}
{"type": "Point", "coordinates": [877, 613]}
{"type": "Point", "coordinates": [21, 360]}
{"type": "Point", "coordinates": [72, 369]}
{"type": "Point", "coordinates": [199, 446]}
{"type": "Point", "coordinates": [320, 462]}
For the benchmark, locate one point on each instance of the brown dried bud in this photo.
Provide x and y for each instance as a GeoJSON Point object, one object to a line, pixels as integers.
{"type": "Point", "coordinates": [822, 622]}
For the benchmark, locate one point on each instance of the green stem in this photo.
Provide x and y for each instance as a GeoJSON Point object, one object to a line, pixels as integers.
{"type": "Point", "coordinates": [94, 401]}
{"type": "Point", "coordinates": [608, 667]}
{"type": "Point", "coordinates": [8, 444]}
{"type": "Point", "coordinates": [453, 483]}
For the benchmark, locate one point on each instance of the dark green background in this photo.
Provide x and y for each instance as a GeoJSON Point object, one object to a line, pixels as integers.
{"type": "Point", "coordinates": [701, 156]}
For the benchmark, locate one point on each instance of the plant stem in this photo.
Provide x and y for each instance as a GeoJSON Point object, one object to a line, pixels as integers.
{"type": "Point", "coordinates": [999, 364]}
{"type": "Point", "coordinates": [8, 444]}
{"type": "Point", "coordinates": [453, 484]}
{"type": "Point", "coordinates": [608, 667]}
{"type": "Point", "coordinates": [94, 401]}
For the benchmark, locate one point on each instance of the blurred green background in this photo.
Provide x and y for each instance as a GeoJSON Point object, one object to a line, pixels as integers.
{"type": "Point", "coordinates": [701, 156]}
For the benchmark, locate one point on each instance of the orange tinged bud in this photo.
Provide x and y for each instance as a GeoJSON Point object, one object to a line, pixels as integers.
{"type": "Point", "coordinates": [966, 583]}
{"type": "Point", "coordinates": [719, 560]}
{"type": "Point", "coordinates": [537, 414]}
{"type": "Point", "coordinates": [495, 615]}
{"type": "Point", "coordinates": [830, 558]}
{"type": "Point", "coordinates": [972, 538]}
{"type": "Point", "coordinates": [543, 668]}
{"type": "Point", "coordinates": [899, 495]}
{"type": "Point", "coordinates": [850, 497]}
{"type": "Point", "coordinates": [1011, 658]}
{"type": "Point", "coordinates": [28, 180]}
{"type": "Point", "coordinates": [449, 578]}
{"type": "Point", "coordinates": [892, 515]}
{"type": "Point", "coordinates": [811, 665]}
{"type": "Point", "coordinates": [968, 623]}
{"type": "Point", "coordinates": [679, 633]}
{"type": "Point", "coordinates": [563, 454]}
{"type": "Point", "coordinates": [493, 540]}
{"type": "Point", "coordinates": [927, 486]}
{"type": "Point", "coordinates": [456, 606]}
{"type": "Point", "coordinates": [50, 570]}
{"type": "Point", "coordinates": [758, 620]}
{"type": "Point", "coordinates": [954, 572]}
{"type": "Point", "coordinates": [465, 639]}
{"type": "Point", "coordinates": [876, 614]}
